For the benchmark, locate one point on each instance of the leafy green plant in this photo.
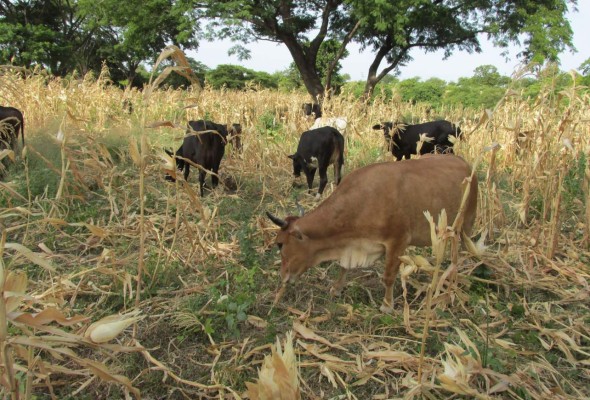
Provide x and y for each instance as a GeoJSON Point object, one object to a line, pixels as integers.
{"type": "Point", "coordinates": [268, 125]}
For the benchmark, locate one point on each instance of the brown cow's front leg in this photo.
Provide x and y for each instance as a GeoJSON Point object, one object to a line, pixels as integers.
{"type": "Point", "coordinates": [392, 263]}
{"type": "Point", "coordinates": [336, 289]}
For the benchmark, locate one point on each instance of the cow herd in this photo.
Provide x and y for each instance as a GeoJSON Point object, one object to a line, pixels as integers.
{"type": "Point", "coordinates": [378, 209]}
{"type": "Point", "coordinates": [319, 147]}
{"type": "Point", "coordinates": [375, 210]}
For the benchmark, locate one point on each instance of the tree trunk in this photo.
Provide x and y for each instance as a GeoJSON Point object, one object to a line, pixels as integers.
{"type": "Point", "coordinates": [306, 67]}
{"type": "Point", "coordinates": [373, 78]}
{"type": "Point", "coordinates": [132, 73]}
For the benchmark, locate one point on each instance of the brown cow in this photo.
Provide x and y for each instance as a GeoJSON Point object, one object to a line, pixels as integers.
{"type": "Point", "coordinates": [376, 210]}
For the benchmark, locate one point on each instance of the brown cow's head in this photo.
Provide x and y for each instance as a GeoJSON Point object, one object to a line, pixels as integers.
{"type": "Point", "coordinates": [294, 247]}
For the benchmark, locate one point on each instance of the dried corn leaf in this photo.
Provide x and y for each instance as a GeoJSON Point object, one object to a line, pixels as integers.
{"type": "Point", "coordinates": [278, 378]}
{"type": "Point", "coordinates": [257, 322]}
{"type": "Point", "coordinates": [313, 350]}
{"type": "Point", "coordinates": [15, 285]}
{"type": "Point", "coordinates": [45, 317]}
{"type": "Point", "coordinates": [31, 256]}
{"type": "Point", "coordinates": [307, 333]}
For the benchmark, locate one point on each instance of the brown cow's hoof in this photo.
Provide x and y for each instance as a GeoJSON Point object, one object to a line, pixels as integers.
{"type": "Point", "coordinates": [385, 309]}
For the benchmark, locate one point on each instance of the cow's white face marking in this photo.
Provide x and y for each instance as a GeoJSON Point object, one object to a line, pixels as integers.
{"type": "Point", "coordinates": [360, 254]}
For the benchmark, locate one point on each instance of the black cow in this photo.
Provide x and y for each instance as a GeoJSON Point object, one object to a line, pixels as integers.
{"type": "Point", "coordinates": [204, 145]}
{"type": "Point", "coordinates": [309, 108]}
{"type": "Point", "coordinates": [405, 138]}
{"type": "Point", "coordinates": [11, 122]}
{"type": "Point", "coordinates": [317, 149]}
{"type": "Point", "coordinates": [235, 136]}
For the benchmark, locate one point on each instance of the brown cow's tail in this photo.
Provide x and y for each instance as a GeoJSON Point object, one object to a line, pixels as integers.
{"type": "Point", "coordinates": [22, 130]}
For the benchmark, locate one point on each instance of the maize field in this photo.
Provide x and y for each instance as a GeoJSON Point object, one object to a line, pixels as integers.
{"type": "Point", "coordinates": [118, 284]}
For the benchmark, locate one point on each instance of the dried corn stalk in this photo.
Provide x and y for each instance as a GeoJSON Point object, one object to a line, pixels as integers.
{"type": "Point", "coordinates": [278, 379]}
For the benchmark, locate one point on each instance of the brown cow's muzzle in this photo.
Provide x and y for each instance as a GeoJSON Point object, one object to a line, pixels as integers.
{"type": "Point", "coordinates": [287, 277]}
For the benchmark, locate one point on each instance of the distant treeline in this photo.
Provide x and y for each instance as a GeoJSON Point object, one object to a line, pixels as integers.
{"type": "Point", "coordinates": [483, 89]}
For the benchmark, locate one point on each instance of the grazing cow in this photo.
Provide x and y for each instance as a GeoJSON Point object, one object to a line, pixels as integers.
{"type": "Point", "coordinates": [235, 136]}
{"type": "Point", "coordinates": [376, 210]}
{"type": "Point", "coordinates": [335, 122]}
{"type": "Point", "coordinates": [317, 149]}
{"type": "Point", "coordinates": [204, 145]}
{"type": "Point", "coordinates": [315, 109]}
{"type": "Point", "coordinates": [405, 138]}
{"type": "Point", "coordinates": [11, 122]}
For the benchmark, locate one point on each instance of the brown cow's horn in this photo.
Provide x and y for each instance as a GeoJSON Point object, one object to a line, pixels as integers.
{"type": "Point", "coordinates": [299, 208]}
{"type": "Point", "coordinates": [280, 222]}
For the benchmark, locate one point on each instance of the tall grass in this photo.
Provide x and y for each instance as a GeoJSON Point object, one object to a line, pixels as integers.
{"type": "Point", "coordinates": [92, 205]}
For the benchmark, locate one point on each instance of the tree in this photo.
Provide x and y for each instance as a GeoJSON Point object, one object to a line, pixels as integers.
{"type": "Point", "coordinates": [585, 70]}
{"type": "Point", "coordinates": [140, 29]}
{"type": "Point", "coordinates": [430, 91]}
{"type": "Point", "coordinates": [391, 28]}
{"type": "Point", "coordinates": [292, 78]}
{"type": "Point", "coordinates": [484, 89]}
{"type": "Point", "coordinates": [238, 77]}
{"type": "Point", "coordinates": [68, 35]}
{"type": "Point", "coordinates": [488, 75]}
{"type": "Point", "coordinates": [43, 32]}
{"type": "Point", "coordinates": [302, 26]}
{"type": "Point", "coordinates": [442, 25]}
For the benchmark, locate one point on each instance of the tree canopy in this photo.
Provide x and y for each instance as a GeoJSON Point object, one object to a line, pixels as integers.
{"type": "Point", "coordinates": [391, 29]}
{"type": "Point", "coordinates": [81, 35]}
{"type": "Point", "coordinates": [68, 35]}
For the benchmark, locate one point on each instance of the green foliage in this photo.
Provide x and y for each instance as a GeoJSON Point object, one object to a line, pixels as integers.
{"type": "Point", "coordinates": [268, 125]}
{"type": "Point", "coordinates": [64, 36]}
{"type": "Point", "coordinates": [355, 88]}
{"type": "Point", "coordinates": [238, 77]}
{"type": "Point", "coordinates": [484, 89]}
{"type": "Point", "coordinates": [573, 182]}
{"type": "Point", "coordinates": [430, 91]}
{"type": "Point", "coordinates": [35, 33]}
{"type": "Point", "coordinates": [83, 34]}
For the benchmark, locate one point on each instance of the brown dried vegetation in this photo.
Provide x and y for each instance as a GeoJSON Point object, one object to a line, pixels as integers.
{"type": "Point", "coordinates": [117, 283]}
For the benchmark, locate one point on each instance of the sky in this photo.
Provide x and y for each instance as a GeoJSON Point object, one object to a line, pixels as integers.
{"type": "Point", "coordinates": [270, 57]}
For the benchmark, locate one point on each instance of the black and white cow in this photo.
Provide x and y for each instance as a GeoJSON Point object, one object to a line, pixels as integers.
{"type": "Point", "coordinates": [317, 149]}
{"type": "Point", "coordinates": [403, 139]}
{"type": "Point", "coordinates": [312, 108]}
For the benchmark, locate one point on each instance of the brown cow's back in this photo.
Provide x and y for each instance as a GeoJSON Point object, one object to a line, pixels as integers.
{"type": "Point", "coordinates": [386, 200]}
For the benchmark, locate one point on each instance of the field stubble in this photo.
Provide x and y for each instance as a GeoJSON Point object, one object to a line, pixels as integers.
{"type": "Point", "coordinates": [88, 212]}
